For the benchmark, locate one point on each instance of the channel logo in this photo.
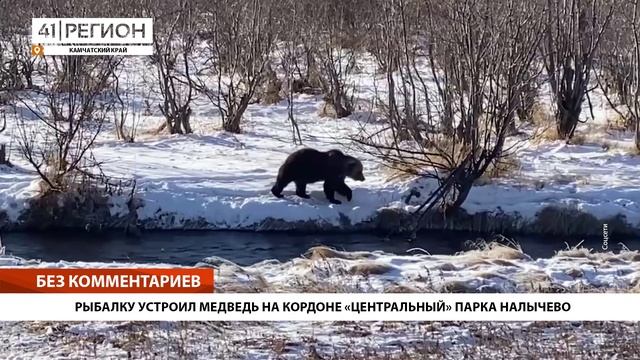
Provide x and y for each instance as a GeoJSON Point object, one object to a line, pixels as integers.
{"type": "Point", "coordinates": [91, 36]}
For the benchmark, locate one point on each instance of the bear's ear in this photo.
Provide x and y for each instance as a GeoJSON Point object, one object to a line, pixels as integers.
{"type": "Point", "coordinates": [352, 164]}
{"type": "Point", "coordinates": [334, 153]}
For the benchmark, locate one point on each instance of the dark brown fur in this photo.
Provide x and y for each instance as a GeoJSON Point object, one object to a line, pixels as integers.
{"type": "Point", "coordinates": [307, 166]}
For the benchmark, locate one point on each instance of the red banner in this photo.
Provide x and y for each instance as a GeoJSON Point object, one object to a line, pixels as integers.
{"type": "Point", "coordinates": [138, 280]}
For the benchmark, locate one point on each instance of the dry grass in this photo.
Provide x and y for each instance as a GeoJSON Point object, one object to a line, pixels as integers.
{"type": "Point", "coordinates": [545, 124]}
{"type": "Point", "coordinates": [565, 221]}
{"type": "Point", "coordinates": [619, 147]}
{"type": "Point", "coordinates": [507, 166]}
{"type": "Point", "coordinates": [438, 147]}
{"type": "Point", "coordinates": [369, 268]}
{"type": "Point", "coordinates": [331, 271]}
{"type": "Point", "coordinates": [270, 91]}
{"type": "Point", "coordinates": [327, 110]}
{"type": "Point", "coordinates": [616, 122]}
{"type": "Point", "coordinates": [401, 171]}
{"type": "Point", "coordinates": [495, 250]}
{"type": "Point", "coordinates": [614, 136]}
{"type": "Point", "coordinates": [361, 340]}
{"type": "Point", "coordinates": [546, 134]}
{"type": "Point", "coordinates": [350, 340]}
{"type": "Point", "coordinates": [634, 151]}
{"type": "Point", "coordinates": [577, 139]}
{"type": "Point", "coordinates": [323, 252]}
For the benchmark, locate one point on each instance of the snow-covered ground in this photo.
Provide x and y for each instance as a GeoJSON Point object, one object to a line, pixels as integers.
{"type": "Point", "coordinates": [320, 340]}
{"type": "Point", "coordinates": [220, 180]}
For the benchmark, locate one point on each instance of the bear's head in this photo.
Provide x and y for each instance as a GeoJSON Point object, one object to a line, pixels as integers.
{"type": "Point", "coordinates": [353, 168]}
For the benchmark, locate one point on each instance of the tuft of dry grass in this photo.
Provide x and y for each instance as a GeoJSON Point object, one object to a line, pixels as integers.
{"type": "Point", "coordinates": [545, 124]}
{"type": "Point", "coordinates": [616, 146]}
{"type": "Point", "coordinates": [577, 139]}
{"type": "Point", "coordinates": [349, 340]}
{"type": "Point", "coordinates": [617, 122]}
{"type": "Point", "coordinates": [436, 145]}
{"type": "Point", "coordinates": [495, 250]}
{"type": "Point", "coordinates": [541, 115]}
{"type": "Point", "coordinates": [327, 111]}
{"type": "Point", "coordinates": [457, 287]}
{"type": "Point", "coordinates": [632, 150]}
{"type": "Point", "coordinates": [506, 166]}
{"type": "Point", "coordinates": [323, 252]}
{"type": "Point", "coordinates": [270, 89]}
{"type": "Point", "coordinates": [369, 268]}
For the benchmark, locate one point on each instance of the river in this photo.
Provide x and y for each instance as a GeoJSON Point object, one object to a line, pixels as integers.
{"type": "Point", "coordinates": [245, 248]}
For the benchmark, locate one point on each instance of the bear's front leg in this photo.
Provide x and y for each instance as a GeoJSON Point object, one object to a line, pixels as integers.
{"type": "Point", "coordinates": [301, 190]}
{"type": "Point", "coordinates": [344, 190]}
{"type": "Point", "coordinates": [329, 191]}
{"type": "Point", "coordinates": [276, 190]}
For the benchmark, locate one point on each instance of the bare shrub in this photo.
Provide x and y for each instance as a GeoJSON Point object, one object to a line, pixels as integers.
{"type": "Point", "coordinates": [240, 36]}
{"type": "Point", "coordinates": [4, 155]}
{"type": "Point", "coordinates": [173, 40]}
{"type": "Point", "coordinates": [572, 36]}
{"type": "Point", "coordinates": [474, 97]}
{"type": "Point", "coordinates": [620, 68]}
{"type": "Point", "coordinates": [121, 112]}
{"type": "Point", "coordinates": [335, 59]}
{"type": "Point", "coordinates": [270, 88]}
{"type": "Point", "coordinates": [58, 145]}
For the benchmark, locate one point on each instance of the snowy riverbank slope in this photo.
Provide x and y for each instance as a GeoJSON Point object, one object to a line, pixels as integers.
{"type": "Point", "coordinates": [213, 179]}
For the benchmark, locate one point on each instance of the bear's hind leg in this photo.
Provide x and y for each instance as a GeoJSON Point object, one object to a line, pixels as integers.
{"type": "Point", "coordinates": [329, 193]}
{"type": "Point", "coordinates": [301, 190]}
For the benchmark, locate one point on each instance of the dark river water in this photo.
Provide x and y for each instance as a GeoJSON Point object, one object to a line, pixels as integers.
{"type": "Point", "coordinates": [245, 248]}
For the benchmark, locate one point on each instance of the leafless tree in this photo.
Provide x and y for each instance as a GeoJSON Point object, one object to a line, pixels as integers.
{"type": "Point", "coordinates": [70, 117]}
{"type": "Point", "coordinates": [335, 51]}
{"type": "Point", "coordinates": [573, 33]}
{"type": "Point", "coordinates": [635, 105]}
{"type": "Point", "coordinates": [123, 111]}
{"type": "Point", "coordinates": [173, 40]}
{"type": "Point", "coordinates": [16, 63]}
{"type": "Point", "coordinates": [395, 46]}
{"type": "Point", "coordinates": [288, 61]}
{"type": "Point", "coordinates": [240, 37]}
{"type": "Point", "coordinates": [4, 155]}
{"type": "Point", "coordinates": [479, 64]}
{"type": "Point", "coordinates": [619, 72]}
{"type": "Point", "coordinates": [294, 52]}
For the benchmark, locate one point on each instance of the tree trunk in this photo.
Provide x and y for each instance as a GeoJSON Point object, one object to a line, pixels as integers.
{"type": "Point", "coordinates": [184, 120]}
{"type": "Point", "coordinates": [3, 155]}
{"type": "Point", "coordinates": [233, 121]}
{"type": "Point", "coordinates": [637, 134]}
{"type": "Point", "coordinates": [341, 110]}
{"type": "Point", "coordinates": [567, 118]}
{"type": "Point", "coordinates": [463, 188]}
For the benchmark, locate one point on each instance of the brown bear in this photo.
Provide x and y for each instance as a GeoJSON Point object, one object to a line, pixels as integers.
{"type": "Point", "coordinates": [307, 166]}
